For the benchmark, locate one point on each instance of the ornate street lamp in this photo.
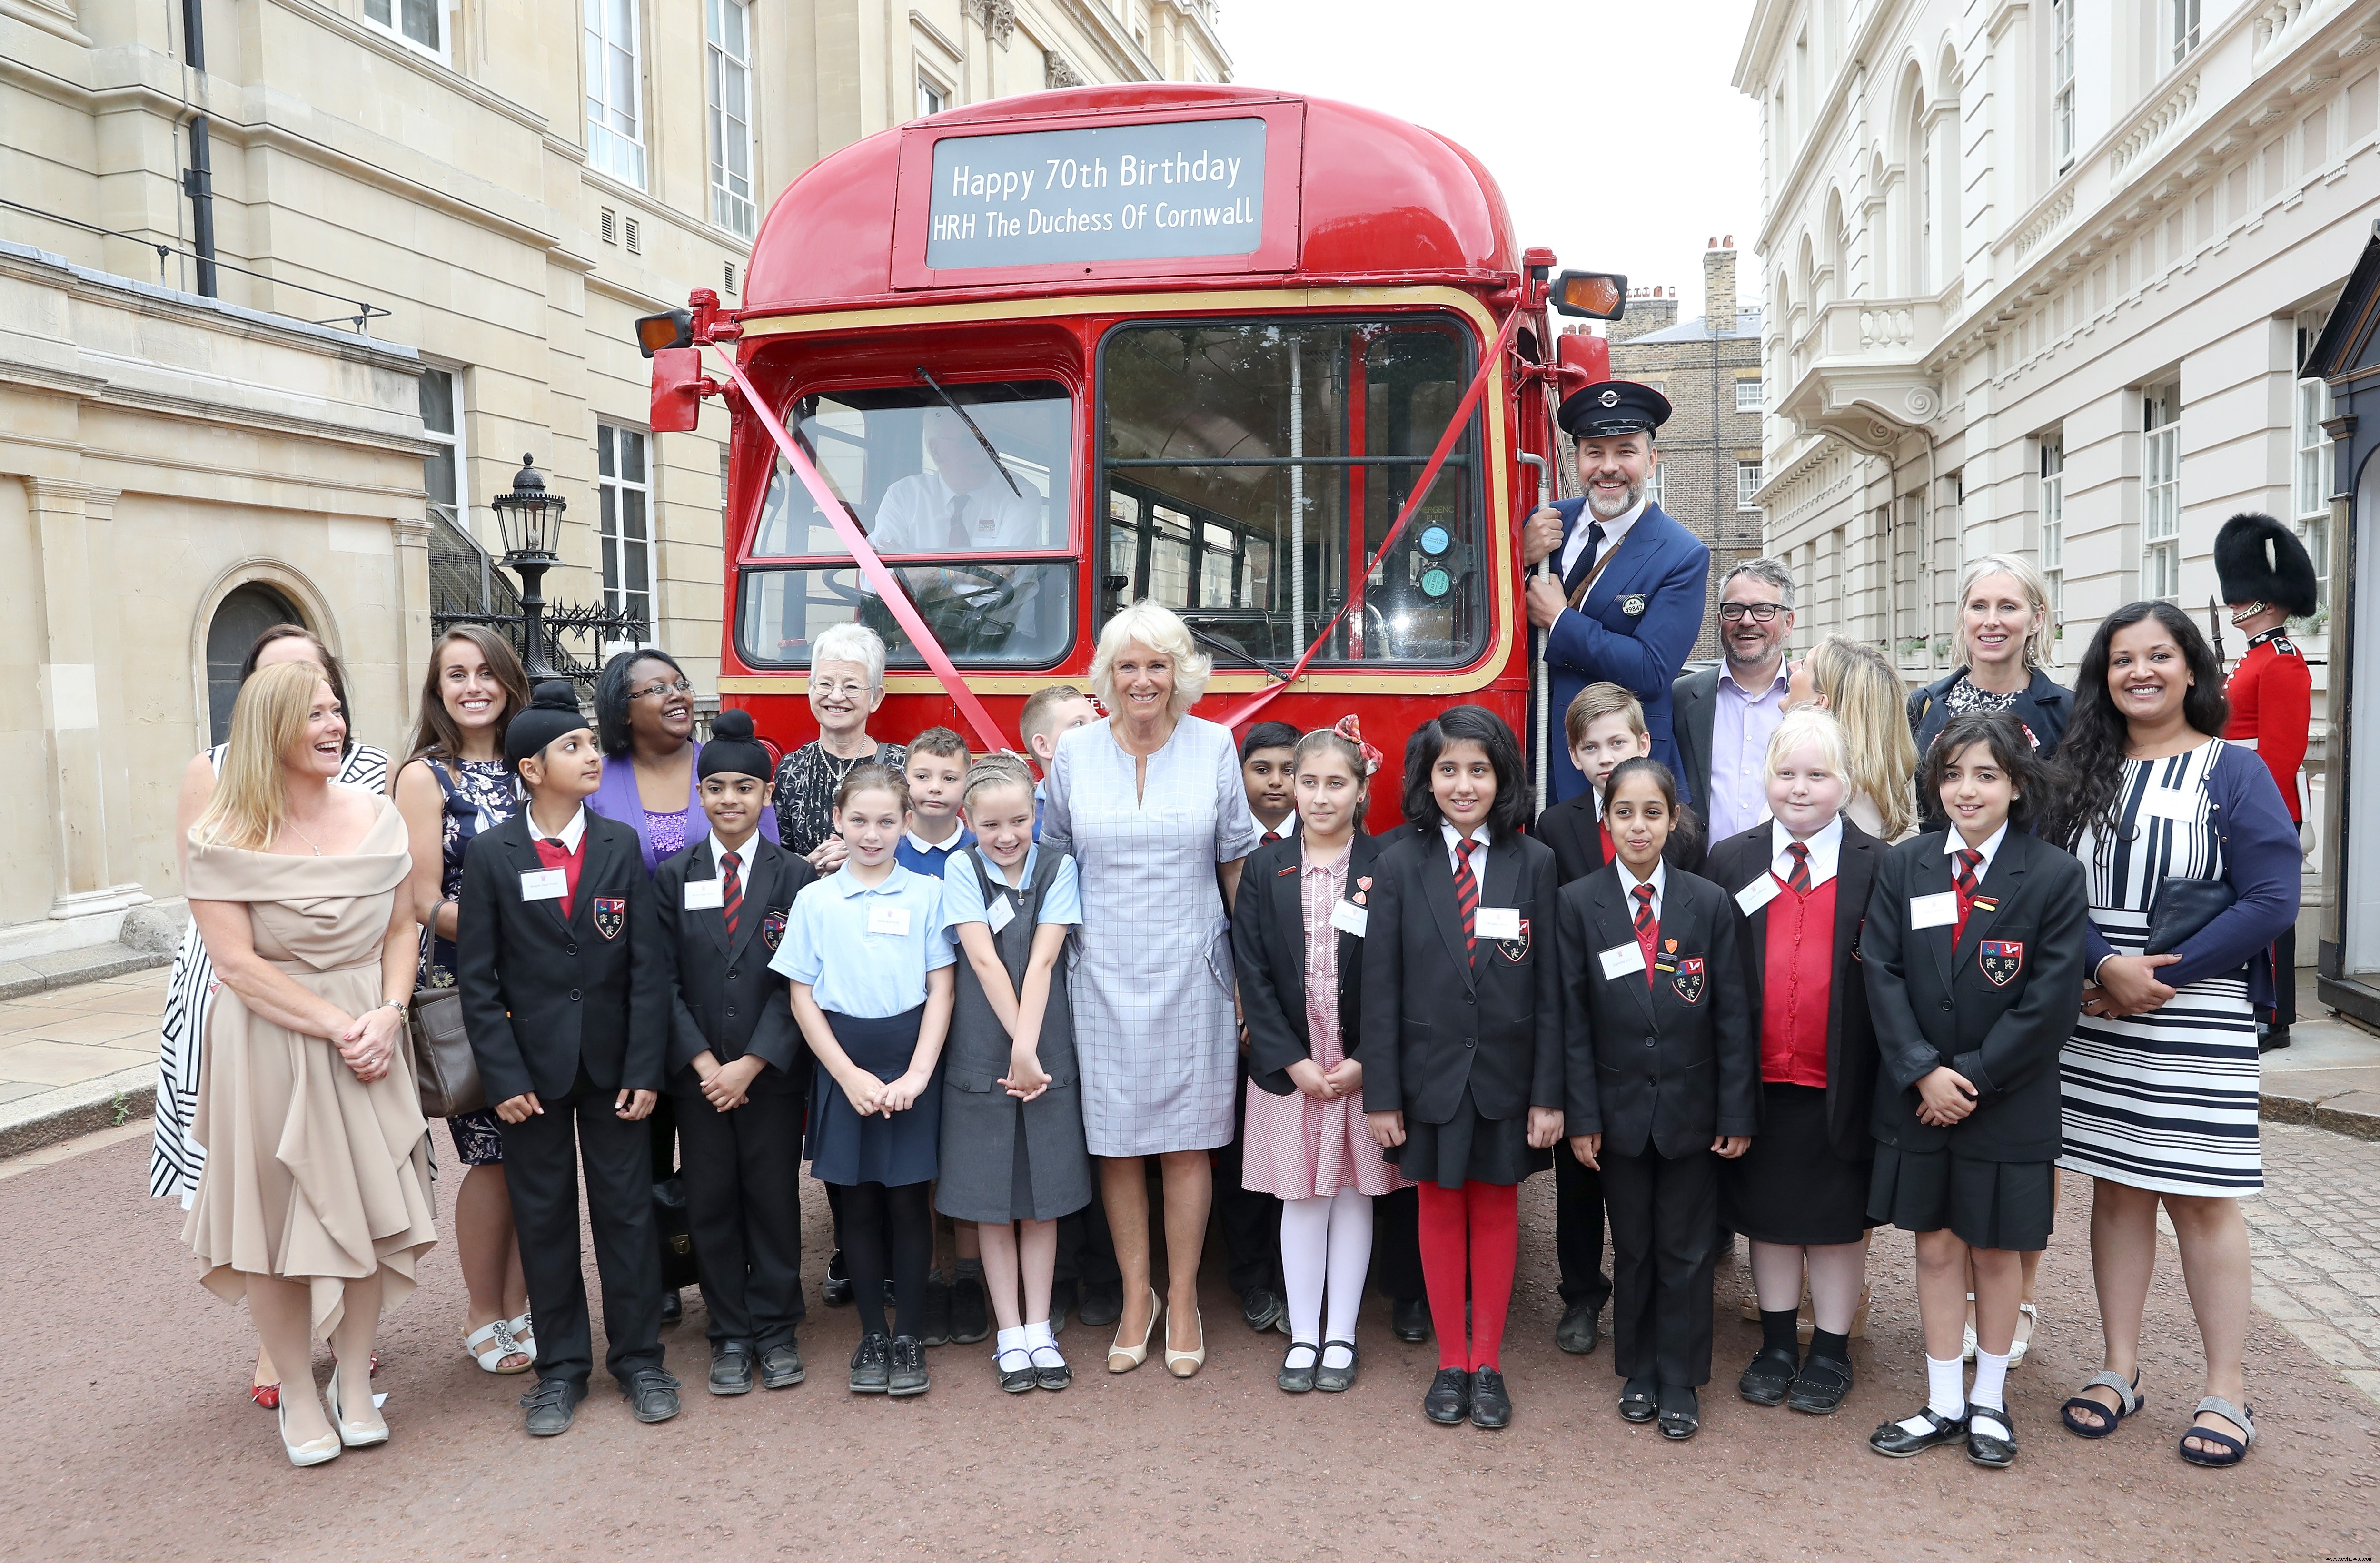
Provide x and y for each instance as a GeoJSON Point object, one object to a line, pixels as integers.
{"type": "Point", "coordinates": [531, 520]}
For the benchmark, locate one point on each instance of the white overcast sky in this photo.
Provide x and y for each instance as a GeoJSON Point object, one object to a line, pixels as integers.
{"type": "Point", "coordinates": [1611, 127]}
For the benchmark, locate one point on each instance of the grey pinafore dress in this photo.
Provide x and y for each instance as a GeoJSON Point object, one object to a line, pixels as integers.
{"type": "Point", "coordinates": [1004, 1159]}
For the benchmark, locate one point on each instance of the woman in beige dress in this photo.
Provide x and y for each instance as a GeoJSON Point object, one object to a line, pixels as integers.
{"type": "Point", "coordinates": [314, 1203]}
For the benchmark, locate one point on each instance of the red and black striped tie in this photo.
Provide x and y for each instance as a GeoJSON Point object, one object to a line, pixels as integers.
{"type": "Point", "coordinates": [1648, 927]}
{"type": "Point", "coordinates": [1963, 880]}
{"type": "Point", "coordinates": [1797, 879]}
{"type": "Point", "coordinates": [1466, 896]}
{"type": "Point", "coordinates": [731, 891]}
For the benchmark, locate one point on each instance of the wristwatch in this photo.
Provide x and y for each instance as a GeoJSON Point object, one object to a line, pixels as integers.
{"type": "Point", "coordinates": [396, 1004]}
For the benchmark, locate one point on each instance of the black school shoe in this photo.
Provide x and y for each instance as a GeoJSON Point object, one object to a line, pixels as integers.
{"type": "Point", "coordinates": [1580, 1331]}
{"type": "Point", "coordinates": [1985, 1445]}
{"type": "Point", "coordinates": [553, 1406]}
{"type": "Point", "coordinates": [730, 1368]}
{"type": "Point", "coordinates": [1409, 1319]}
{"type": "Point", "coordinates": [908, 1375]}
{"type": "Point", "coordinates": [1900, 1443]}
{"type": "Point", "coordinates": [1103, 1305]}
{"type": "Point", "coordinates": [1771, 1376]}
{"type": "Point", "coordinates": [970, 1311]}
{"type": "Point", "coordinates": [1681, 1412]}
{"type": "Point", "coordinates": [934, 1324]}
{"type": "Point", "coordinates": [1636, 1400]}
{"type": "Point", "coordinates": [1336, 1380]}
{"type": "Point", "coordinates": [1448, 1400]}
{"type": "Point", "coordinates": [1491, 1407]}
{"type": "Point", "coordinates": [1820, 1386]}
{"type": "Point", "coordinates": [837, 1290]}
{"type": "Point", "coordinates": [781, 1366]}
{"type": "Point", "coordinates": [1263, 1309]}
{"type": "Point", "coordinates": [651, 1394]}
{"type": "Point", "coordinates": [871, 1365]}
{"type": "Point", "coordinates": [672, 1308]}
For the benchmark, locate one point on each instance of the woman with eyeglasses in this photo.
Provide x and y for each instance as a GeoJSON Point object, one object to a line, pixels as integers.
{"type": "Point", "coordinates": [644, 719]}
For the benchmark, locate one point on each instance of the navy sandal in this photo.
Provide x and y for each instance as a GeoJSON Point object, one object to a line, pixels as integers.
{"type": "Point", "coordinates": [2129, 1399]}
{"type": "Point", "coordinates": [2234, 1450]}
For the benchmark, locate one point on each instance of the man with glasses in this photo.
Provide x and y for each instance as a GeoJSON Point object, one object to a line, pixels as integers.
{"type": "Point", "coordinates": [1624, 605]}
{"type": "Point", "coordinates": [1726, 713]}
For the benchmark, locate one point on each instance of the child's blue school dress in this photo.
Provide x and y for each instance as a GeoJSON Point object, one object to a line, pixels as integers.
{"type": "Point", "coordinates": [865, 953]}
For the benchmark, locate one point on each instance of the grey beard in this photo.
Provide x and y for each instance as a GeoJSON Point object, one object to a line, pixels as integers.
{"type": "Point", "coordinates": [1635, 495]}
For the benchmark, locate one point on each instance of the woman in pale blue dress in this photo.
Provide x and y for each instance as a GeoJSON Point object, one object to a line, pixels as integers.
{"type": "Point", "coordinates": [1150, 804]}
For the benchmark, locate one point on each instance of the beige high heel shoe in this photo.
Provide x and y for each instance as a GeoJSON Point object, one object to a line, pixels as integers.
{"type": "Point", "coordinates": [314, 1451]}
{"type": "Point", "coordinates": [359, 1433]}
{"type": "Point", "coordinates": [1182, 1365]}
{"type": "Point", "coordinates": [1123, 1358]}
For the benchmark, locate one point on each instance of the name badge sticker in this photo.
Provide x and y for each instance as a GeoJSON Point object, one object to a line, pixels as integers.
{"type": "Point", "coordinates": [1497, 922]}
{"type": "Point", "coordinates": [1621, 959]}
{"type": "Point", "coordinates": [1000, 914]}
{"type": "Point", "coordinates": [544, 884]}
{"type": "Point", "coordinates": [1348, 917]}
{"type": "Point", "coordinates": [705, 895]}
{"type": "Point", "coordinates": [893, 920]}
{"type": "Point", "coordinates": [2171, 803]}
{"type": "Point", "coordinates": [1940, 910]}
{"type": "Point", "coordinates": [1757, 894]}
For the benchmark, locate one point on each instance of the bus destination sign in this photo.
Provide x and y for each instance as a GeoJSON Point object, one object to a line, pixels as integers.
{"type": "Point", "coordinates": [1132, 192]}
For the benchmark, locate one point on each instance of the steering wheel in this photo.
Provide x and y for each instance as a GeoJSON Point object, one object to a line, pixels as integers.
{"type": "Point", "coordinates": [970, 618]}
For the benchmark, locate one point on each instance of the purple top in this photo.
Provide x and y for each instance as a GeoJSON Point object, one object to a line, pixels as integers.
{"type": "Point", "coordinates": [618, 799]}
{"type": "Point", "coordinates": [1740, 724]}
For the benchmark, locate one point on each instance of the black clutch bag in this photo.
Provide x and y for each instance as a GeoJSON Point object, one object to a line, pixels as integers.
{"type": "Point", "coordinates": [2183, 907]}
{"type": "Point", "coordinates": [677, 1235]}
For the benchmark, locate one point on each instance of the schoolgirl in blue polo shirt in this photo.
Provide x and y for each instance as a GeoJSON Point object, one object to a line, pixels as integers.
{"type": "Point", "coordinates": [869, 963]}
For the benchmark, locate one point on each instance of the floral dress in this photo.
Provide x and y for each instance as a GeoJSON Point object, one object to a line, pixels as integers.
{"type": "Point", "coordinates": [478, 796]}
{"type": "Point", "coordinates": [807, 781]}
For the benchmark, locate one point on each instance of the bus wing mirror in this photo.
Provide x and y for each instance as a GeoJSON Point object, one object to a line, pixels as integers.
{"type": "Point", "coordinates": [658, 333]}
{"type": "Point", "coordinates": [678, 389]}
{"type": "Point", "coordinates": [1595, 295]}
{"type": "Point", "coordinates": [1581, 360]}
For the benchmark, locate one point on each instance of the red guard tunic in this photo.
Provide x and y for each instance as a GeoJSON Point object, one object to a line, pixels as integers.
{"type": "Point", "coordinates": [2272, 707]}
{"type": "Point", "coordinates": [1795, 996]}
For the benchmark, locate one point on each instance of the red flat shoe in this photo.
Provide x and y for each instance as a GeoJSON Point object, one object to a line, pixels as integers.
{"type": "Point", "coordinates": [265, 1395]}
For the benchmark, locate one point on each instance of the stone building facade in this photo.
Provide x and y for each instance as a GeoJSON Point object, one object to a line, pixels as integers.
{"type": "Point", "coordinates": [2040, 279]}
{"type": "Point", "coordinates": [1709, 369]}
{"type": "Point", "coordinates": [477, 200]}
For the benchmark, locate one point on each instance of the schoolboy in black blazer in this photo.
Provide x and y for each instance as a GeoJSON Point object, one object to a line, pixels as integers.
{"type": "Point", "coordinates": [740, 1161]}
{"type": "Point", "coordinates": [1660, 1070]}
{"type": "Point", "coordinates": [565, 1000]}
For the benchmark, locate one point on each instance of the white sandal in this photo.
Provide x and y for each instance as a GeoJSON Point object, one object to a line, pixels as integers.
{"type": "Point", "coordinates": [523, 1334]}
{"type": "Point", "coordinates": [2016, 1352]}
{"type": "Point", "coordinates": [491, 1358]}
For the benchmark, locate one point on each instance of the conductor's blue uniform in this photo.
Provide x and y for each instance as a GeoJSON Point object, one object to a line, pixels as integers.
{"type": "Point", "coordinates": [1635, 627]}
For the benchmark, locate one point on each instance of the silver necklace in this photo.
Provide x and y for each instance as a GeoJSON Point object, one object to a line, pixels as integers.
{"type": "Point", "coordinates": [304, 837]}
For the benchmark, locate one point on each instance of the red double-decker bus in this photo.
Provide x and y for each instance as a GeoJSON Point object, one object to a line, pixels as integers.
{"type": "Point", "coordinates": [1056, 353]}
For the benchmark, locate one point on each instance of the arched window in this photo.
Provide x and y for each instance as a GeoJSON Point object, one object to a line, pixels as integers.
{"type": "Point", "coordinates": [245, 613]}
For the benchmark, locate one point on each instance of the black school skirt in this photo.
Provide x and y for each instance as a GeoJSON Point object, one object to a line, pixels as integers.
{"type": "Point", "coordinates": [845, 1148]}
{"type": "Point", "coordinates": [2010, 1204]}
{"type": "Point", "coordinates": [1791, 1187]}
{"type": "Point", "coordinates": [1468, 1149]}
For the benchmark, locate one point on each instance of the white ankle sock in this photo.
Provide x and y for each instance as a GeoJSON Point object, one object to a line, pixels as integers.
{"type": "Point", "coordinates": [1039, 1334]}
{"type": "Point", "coordinates": [1991, 1380]}
{"type": "Point", "coordinates": [1945, 1394]}
{"type": "Point", "coordinates": [1038, 1340]}
{"type": "Point", "coordinates": [1337, 1354]}
{"type": "Point", "coordinates": [1011, 1340]}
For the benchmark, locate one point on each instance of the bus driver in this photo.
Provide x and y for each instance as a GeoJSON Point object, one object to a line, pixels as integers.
{"type": "Point", "coordinates": [964, 501]}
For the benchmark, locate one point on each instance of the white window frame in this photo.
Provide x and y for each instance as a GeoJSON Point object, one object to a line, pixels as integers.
{"type": "Point", "coordinates": [2053, 523]}
{"type": "Point", "coordinates": [2161, 491]}
{"type": "Point", "coordinates": [1655, 485]}
{"type": "Point", "coordinates": [613, 543]}
{"type": "Point", "coordinates": [454, 441]}
{"type": "Point", "coordinates": [1748, 477]}
{"type": "Point", "coordinates": [2311, 458]}
{"type": "Point", "coordinates": [736, 210]}
{"type": "Point", "coordinates": [2185, 29]}
{"type": "Point", "coordinates": [394, 27]}
{"type": "Point", "coordinates": [2061, 83]}
{"type": "Point", "coordinates": [610, 150]}
{"type": "Point", "coordinates": [932, 96]}
{"type": "Point", "coordinates": [1757, 398]}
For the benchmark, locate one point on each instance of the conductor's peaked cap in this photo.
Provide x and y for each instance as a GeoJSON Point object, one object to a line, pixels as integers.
{"type": "Point", "coordinates": [2259, 559]}
{"type": "Point", "coordinates": [1612, 406]}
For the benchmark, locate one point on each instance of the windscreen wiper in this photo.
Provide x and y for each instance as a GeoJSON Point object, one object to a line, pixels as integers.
{"type": "Point", "coordinates": [997, 465]}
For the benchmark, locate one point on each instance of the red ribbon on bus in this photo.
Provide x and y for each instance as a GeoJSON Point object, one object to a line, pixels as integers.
{"type": "Point", "coordinates": [938, 661]}
{"type": "Point", "coordinates": [895, 599]}
{"type": "Point", "coordinates": [1246, 711]}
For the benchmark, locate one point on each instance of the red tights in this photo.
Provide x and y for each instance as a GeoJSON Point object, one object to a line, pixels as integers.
{"type": "Point", "coordinates": [1476, 1228]}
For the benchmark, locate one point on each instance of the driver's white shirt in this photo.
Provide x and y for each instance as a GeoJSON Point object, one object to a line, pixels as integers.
{"type": "Point", "coordinates": [916, 514]}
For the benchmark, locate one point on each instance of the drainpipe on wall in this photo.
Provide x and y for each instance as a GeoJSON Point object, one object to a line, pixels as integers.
{"type": "Point", "coordinates": [198, 179]}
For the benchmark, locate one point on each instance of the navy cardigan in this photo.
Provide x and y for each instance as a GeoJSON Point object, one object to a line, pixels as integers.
{"type": "Point", "coordinates": [2264, 865]}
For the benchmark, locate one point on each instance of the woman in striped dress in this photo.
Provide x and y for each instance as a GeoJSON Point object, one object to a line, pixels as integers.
{"type": "Point", "coordinates": [175, 1158]}
{"type": "Point", "coordinates": [2160, 1077]}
